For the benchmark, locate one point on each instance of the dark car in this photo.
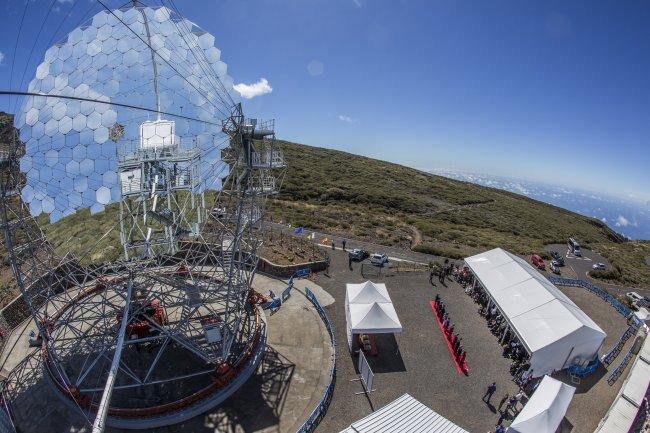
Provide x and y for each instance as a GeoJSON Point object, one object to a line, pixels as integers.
{"type": "Point", "coordinates": [558, 258]}
{"type": "Point", "coordinates": [358, 254]}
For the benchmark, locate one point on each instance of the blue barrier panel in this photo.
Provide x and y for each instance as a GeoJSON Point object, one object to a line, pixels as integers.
{"type": "Point", "coordinates": [563, 281]}
{"type": "Point", "coordinates": [616, 349]}
{"type": "Point", "coordinates": [318, 413]}
{"type": "Point", "coordinates": [616, 373]}
{"type": "Point", "coordinates": [273, 305]}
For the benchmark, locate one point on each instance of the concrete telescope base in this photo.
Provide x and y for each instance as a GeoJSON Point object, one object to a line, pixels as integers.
{"type": "Point", "coordinates": [285, 383]}
{"type": "Point", "coordinates": [170, 418]}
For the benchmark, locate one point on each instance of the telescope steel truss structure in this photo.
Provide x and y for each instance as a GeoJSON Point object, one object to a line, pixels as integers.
{"type": "Point", "coordinates": [138, 341]}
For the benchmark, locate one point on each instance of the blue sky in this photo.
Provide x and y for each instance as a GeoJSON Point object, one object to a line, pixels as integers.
{"type": "Point", "coordinates": [550, 91]}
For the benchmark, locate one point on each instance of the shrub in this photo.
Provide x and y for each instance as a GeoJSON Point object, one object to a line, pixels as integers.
{"type": "Point", "coordinates": [439, 251]}
{"type": "Point", "coordinates": [606, 274]}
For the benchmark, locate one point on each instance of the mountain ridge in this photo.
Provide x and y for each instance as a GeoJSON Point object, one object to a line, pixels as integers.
{"type": "Point", "coordinates": [381, 201]}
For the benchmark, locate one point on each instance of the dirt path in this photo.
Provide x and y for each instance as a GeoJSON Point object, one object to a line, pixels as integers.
{"type": "Point", "coordinates": [417, 237]}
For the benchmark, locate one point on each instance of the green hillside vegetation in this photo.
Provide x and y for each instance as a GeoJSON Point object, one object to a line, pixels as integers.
{"type": "Point", "coordinates": [391, 204]}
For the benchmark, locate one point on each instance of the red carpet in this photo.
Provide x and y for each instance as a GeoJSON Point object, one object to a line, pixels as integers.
{"type": "Point", "coordinates": [460, 369]}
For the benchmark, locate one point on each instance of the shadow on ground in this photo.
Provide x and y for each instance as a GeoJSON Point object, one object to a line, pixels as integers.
{"type": "Point", "coordinates": [257, 406]}
{"type": "Point", "coordinates": [585, 383]}
{"type": "Point", "coordinates": [388, 359]}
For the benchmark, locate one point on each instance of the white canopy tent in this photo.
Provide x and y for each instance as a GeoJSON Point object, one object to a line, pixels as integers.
{"type": "Point", "coordinates": [369, 310]}
{"type": "Point", "coordinates": [626, 406]}
{"type": "Point", "coordinates": [366, 293]}
{"type": "Point", "coordinates": [404, 415]}
{"type": "Point", "coordinates": [553, 329]}
{"type": "Point", "coordinates": [544, 411]}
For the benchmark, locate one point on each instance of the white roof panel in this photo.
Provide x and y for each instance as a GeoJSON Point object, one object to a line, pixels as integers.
{"type": "Point", "coordinates": [404, 415]}
{"type": "Point", "coordinates": [637, 382]}
{"type": "Point", "coordinates": [545, 324]}
{"type": "Point", "coordinates": [521, 298]}
{"type": "Point", "coordinates": [619, 418]}
{"type": "Point", "coordinates": [375, 318]}
{"type": "Point", "coordinates": [506, 275]}
{"type": "Point", "coordinates": [367, 293]}
{"type": "Point", "coordinates": [545, 409]}
{"type": "Point", "coordinates": [540, 313]}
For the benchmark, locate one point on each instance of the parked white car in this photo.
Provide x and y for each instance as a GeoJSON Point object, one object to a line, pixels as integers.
{"type": "Point", "coordinates": [599, 266]}
{"type": "Point", "coordinates": [634, 297]}
{"type": "Point", "coordinates": [379, 259]}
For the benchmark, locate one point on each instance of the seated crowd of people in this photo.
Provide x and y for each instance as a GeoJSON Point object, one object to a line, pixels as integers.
{"type": "Point", "coordinates": [512, 347]}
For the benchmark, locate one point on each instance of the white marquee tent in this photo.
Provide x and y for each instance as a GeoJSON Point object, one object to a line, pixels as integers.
{"type": "Point", "coordinates": [553, 329]}
{"type": "Point", "coordinates": [404, 415]}
{"type": "Point", "coordinates": [366, 293]}
{"type": "Point", "coordinates": [369, 310]}
{"type": "Point", "coordinates": [626, 406]}
{"type": "Point", "coordinates": [544, 411]}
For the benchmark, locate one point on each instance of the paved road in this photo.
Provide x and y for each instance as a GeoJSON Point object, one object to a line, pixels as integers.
{"type": "Point", "coordinates": [579, 265]}
{"type": "Point", "coordinates": [582, 265]}
{"type": "Point", "coordinates": [423, 367]}
{"type": "Point", "coordinates": [394, 253]}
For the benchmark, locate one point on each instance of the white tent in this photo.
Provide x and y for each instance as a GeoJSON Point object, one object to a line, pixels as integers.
{"type": "Point", "coordinates": [366, 293]}
{"type": "Point", "coordinates": [621, 415]}
{"type": "Point", "coordinates": [404, 415]}
{"type": "Point", "coordinates": [552, 328]}
{"type": "Point", "coordinates": [375, 318]}
{"type": "Point", "coordinates": [544, 411]}
{"type": "Point", "coordinates": [369, 310]}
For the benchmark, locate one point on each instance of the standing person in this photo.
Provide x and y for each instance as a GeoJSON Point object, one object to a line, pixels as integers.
{"type": "Point", "coordinates": [489, 391]}
{"type": "Point", "coordinates": [343, 242]}
{"type": "Point", "coordinates": [512, 402]}
{"type": "Point", "coordinates": [333, 246]}
{"type": "Point", "coordinates": [518, 397]}
{"type": "Point", "coordinates": [349, 261]}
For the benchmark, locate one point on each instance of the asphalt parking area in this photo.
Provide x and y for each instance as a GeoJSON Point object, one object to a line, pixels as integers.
{"type": "Point", "coordinates": [423, 366]}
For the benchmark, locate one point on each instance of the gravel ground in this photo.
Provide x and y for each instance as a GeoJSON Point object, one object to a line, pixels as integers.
{"type": "Point", "coordinates": [423, 366]}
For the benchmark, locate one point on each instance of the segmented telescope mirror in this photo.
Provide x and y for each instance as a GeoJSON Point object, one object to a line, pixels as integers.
{"type": "Point", "coordinates": [136, 57]}
{"type": "Point", "coordinates": [133, 114]}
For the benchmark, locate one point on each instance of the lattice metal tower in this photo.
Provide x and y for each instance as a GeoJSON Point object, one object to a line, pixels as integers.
{"type": "Point", "coordinates": [135, 109]}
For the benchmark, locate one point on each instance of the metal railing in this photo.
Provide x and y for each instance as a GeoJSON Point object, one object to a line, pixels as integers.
{"type": "Point", "coordinates": [616, 349]}
{"type": "Point", "coordinates": [318, 413]}
{"type": "Point", "coordinates": [616, 373]}
{"type": "Point", "coordinates": [563, 281]}
{"type": "Point", "coordinates": [6, 423]}
{"type": "Point", "coordinates": [632, 329]}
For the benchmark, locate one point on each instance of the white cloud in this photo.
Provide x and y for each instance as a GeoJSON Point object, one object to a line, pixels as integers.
{"type": "Point", "coordinates": [249, 91]}
{"type": "Point", "coordinates": [346, 119]}
{"type": "Point", "coordinates": [621, 221]}
{"type": "Point", "coordinates": [357, 3]}
{"type": "Point", "coordinates": [2, 57]}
